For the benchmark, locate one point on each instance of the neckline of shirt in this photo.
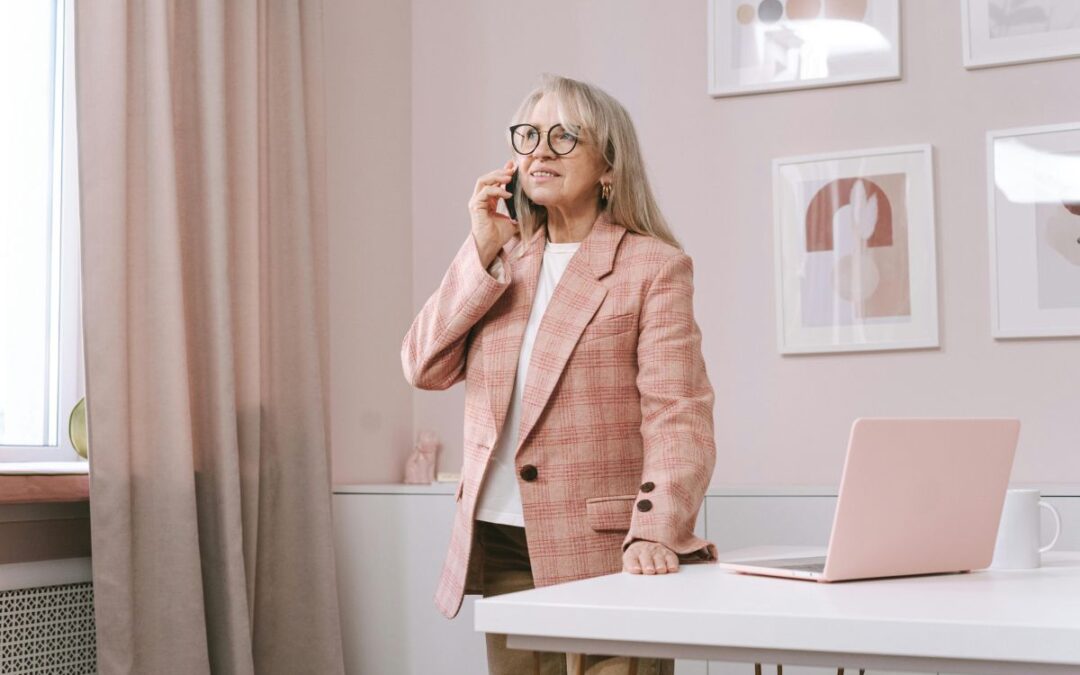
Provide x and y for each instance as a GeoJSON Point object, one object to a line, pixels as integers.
{"type": "Point", "coordinates": [561, 247]}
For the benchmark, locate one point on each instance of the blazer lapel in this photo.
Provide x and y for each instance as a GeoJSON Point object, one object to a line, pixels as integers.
{"type": "Point", "coordinates": [576, 298]}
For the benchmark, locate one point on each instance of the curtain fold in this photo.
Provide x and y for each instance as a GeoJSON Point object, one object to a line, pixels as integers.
{"type": "Point", "coordinates": [202, 180]}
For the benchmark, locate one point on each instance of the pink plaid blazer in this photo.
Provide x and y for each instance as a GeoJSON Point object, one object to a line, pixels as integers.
{"type": "Point", "coordinates": [616, 439]}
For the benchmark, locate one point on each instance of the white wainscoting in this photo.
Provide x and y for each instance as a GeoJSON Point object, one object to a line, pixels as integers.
{"type": "Point", "coordinates": [391, 540]}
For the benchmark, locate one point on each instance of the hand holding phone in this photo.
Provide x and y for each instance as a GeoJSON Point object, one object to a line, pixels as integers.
{"type": "Point", "coordinates": [492, 229]}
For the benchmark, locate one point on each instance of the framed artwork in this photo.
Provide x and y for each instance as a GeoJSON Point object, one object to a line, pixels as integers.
{"type": "Point", "coordinates": [773, 45]}
{"type": "Point", "coordinates": [999, 32]}
{"type": "Point", "coordinates": [1033, 188]}
{"type": "Point", "coordinates": [855, 251]}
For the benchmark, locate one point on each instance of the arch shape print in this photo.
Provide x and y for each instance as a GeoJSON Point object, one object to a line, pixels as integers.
{"type": "Point", "coordinates": [834, 196]}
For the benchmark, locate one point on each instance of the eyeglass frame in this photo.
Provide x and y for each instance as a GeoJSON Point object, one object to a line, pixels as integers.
{"type": "Point", "coordinates": [577, 138]}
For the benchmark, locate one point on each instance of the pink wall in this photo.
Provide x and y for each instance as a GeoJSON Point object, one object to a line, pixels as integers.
{"type": "Point", "coordinates": [779, 420]}
{"type": "Point", "coordinates": [367, 55]}
{"type": "Point", "coordinates": [44, 531]}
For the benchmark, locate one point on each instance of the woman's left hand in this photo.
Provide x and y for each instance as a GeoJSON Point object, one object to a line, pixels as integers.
{"type": "Point", "coordinates": [648, 557]}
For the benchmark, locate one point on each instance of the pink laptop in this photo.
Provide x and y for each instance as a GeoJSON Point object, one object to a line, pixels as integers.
{"type": "Point", "coordinates": [917, 496]}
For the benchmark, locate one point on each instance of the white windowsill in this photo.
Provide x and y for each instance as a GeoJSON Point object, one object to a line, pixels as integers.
{"type": "Point", "coordinates": [15, 576]}
{"type": "Point", "coordinates": [44, 468]}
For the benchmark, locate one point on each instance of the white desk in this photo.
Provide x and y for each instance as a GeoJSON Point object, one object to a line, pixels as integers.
{"type": "Point", "coordinates": [984, 623]}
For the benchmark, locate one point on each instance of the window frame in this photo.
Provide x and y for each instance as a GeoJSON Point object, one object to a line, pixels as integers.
{"type": "Point", "coordinates": [65, 284]}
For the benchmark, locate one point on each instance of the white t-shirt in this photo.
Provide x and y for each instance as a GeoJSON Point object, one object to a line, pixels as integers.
{"type": "Point", "coordinates": [500, 499]}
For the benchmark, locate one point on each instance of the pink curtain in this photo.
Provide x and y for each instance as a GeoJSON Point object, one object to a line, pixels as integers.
{"type": "Point", "coordinates": [204, 279]}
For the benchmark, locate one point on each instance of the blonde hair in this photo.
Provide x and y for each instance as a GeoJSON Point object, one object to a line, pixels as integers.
{"type": "Point", "coordinates": [580, 104]}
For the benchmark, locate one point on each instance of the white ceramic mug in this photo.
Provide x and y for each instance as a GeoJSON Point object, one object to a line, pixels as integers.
{"type": "Point", "coordinates": [1017, 546]}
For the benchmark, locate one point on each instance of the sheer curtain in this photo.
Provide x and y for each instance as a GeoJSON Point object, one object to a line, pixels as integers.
{"type": "Point", "coordinates": [204, 281]}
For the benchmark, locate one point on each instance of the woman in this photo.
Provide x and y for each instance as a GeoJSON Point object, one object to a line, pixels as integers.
{"type": "Point", "coordinates": [588, 412]}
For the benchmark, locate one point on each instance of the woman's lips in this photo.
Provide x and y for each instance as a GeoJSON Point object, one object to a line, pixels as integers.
{"type": "Point", "coordinates": [544, 178]}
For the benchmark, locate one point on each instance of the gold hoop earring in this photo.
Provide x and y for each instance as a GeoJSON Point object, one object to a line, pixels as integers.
{"type": "Point", "coordinates": [605, 191]}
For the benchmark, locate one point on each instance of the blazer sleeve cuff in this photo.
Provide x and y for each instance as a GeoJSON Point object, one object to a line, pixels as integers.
{"type": "Point", "coordinates": [491, 281]}
{"type": "Point", "coordinates": [497, 270]}
{"type": "Point", "coordinates": [690, 548]}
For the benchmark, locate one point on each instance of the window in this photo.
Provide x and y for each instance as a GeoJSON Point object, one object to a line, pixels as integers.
{"type": "Point", "coordinates": [41, 373]}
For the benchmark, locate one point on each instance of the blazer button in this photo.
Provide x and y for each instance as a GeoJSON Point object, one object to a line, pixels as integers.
{"type": "Point", "coordinates": [528, 472]}
{"type": "Point", "coordinates": [648, 487]}
{"type": "Point", "coordinates": [644, 505]}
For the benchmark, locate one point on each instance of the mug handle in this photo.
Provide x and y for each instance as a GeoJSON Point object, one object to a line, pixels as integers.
{"type": "Point", "coordinates": [1057, 525]}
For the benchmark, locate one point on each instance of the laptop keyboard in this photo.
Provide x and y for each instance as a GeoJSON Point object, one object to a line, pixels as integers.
{"type": "Point", "coordinates": [815, 564]}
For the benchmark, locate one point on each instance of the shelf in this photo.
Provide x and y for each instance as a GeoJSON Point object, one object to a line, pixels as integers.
{"type": "Point", "coordinates": [1048, 490]}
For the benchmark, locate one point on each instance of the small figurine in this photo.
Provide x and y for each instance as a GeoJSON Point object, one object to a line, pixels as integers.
{"type": "Point", "coordinates": [420, 468]}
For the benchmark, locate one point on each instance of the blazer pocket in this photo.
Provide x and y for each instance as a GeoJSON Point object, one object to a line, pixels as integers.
{"type": "Point", "coordinates": [608, 326]}
{"type": "Point", "coordinates": [605, 514]}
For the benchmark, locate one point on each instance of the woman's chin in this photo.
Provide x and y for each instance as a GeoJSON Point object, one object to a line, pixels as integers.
{"type": "Point", "coordinates": [543, 198]}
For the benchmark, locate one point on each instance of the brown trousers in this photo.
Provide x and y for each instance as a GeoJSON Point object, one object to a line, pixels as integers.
{"type": "Point", "coordinates": [507, 569]}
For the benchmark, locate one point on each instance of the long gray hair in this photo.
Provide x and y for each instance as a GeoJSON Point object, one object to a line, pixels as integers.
{"type": "Point", "coordinates": [583, 105]}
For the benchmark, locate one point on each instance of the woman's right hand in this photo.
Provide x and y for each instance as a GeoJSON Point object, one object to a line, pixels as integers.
{"type": "Point", "coordinates": [490, 229]}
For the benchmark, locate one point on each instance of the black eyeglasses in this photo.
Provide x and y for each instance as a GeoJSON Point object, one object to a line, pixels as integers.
{"type": "Point", "coordinates": [525, 138]}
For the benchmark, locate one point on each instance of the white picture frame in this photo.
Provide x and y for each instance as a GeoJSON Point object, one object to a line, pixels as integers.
{"type": "Point", "coordinates": [815, 43]}
{"type": "Point", "coordinates": [1033, 176]}
{"type": "Point", "coordinates": [855, 251]}
{"type": "Point", "coordinates": [1007, 32]}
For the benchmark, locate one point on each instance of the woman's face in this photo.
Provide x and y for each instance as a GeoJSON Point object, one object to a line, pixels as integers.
{"type": "Point", "coordinates": [576, 182]}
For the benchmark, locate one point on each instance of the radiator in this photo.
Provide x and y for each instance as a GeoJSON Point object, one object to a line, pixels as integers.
{"type": "Point", "coordinates": [48, 630]}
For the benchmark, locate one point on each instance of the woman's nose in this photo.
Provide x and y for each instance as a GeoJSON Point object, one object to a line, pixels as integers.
{"type": "Point", "coordinates": [543, 148]}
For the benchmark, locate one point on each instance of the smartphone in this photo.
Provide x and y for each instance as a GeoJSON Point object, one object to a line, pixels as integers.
{"type": "Point", "coordinates": [510, 187]}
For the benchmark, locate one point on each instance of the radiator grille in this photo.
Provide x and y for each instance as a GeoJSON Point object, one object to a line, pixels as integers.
{"type": "Point", "coordinates": [48, 631]}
